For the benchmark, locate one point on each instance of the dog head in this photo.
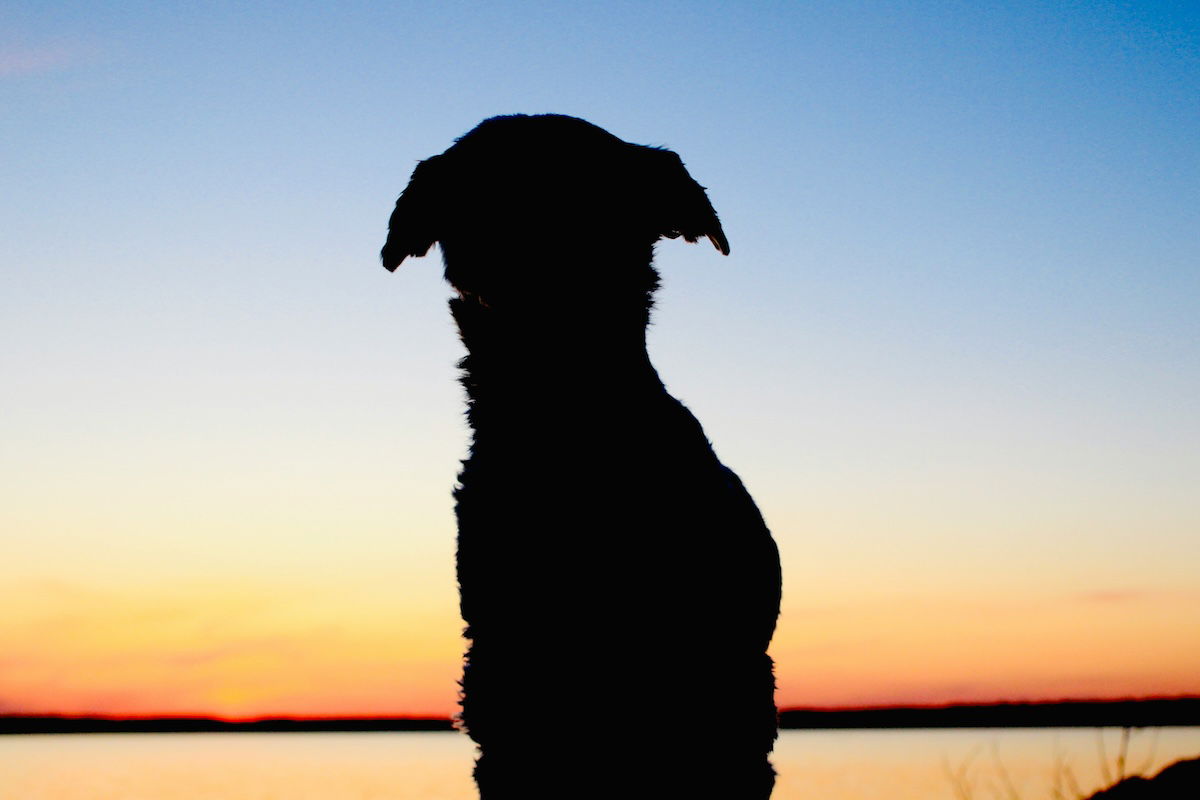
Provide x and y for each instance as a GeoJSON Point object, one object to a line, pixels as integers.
{"type": "Point", "coordinates": [525, 199]}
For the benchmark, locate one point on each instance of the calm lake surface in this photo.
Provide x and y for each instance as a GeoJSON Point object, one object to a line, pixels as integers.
{"type": "Point", "coordinates": [830, 765]}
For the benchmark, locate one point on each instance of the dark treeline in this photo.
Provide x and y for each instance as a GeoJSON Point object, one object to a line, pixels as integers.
{"type": "Point", "coordinates": [1160, 712]}
{"type": "Point", "coordinates": [1164, 712]}
{"type": "Point", "coordinates": [71, 724]}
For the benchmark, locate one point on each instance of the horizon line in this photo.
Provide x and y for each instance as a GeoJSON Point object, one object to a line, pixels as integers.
{"type": "Point", "coordinates": [439, 718]}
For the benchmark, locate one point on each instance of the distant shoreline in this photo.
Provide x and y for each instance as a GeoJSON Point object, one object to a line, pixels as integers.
{"type": "Point", "coordinates": [1154, 713]}
{"type": "Point", "coordinates": [18, 724]}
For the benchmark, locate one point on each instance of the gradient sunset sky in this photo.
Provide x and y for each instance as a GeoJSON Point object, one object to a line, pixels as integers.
{"type": "Point", "coordinates": [955, 353]}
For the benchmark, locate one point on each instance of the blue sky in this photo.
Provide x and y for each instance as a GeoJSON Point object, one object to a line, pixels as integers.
{"type": "Point", "coordinates": [955, 348]}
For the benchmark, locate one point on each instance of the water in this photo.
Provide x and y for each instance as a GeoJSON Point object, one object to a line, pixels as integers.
{"type": "Point", "coordinates": [830, 765]}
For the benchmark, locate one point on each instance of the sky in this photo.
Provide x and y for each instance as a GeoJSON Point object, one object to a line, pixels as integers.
{"type": "Point", "coordinates": [954, 354]}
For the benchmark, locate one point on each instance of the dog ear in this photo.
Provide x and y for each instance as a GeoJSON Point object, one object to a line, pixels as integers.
{"type": "Point", "coordinates": [685, 209]}
{"type": "Point", "coordinates": [414, 225]}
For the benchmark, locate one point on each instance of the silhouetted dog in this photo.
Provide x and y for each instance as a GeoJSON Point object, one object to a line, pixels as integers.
{"type": "Point", "coordinates": [618, 583]}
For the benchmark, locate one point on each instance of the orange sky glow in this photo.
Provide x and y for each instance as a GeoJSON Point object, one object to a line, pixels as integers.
{"type": "Point", "coordinates": [239, 652]}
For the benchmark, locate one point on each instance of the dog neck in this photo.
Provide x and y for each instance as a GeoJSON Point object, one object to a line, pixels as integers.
{"type": "Point", "coordinates": [524, 363]}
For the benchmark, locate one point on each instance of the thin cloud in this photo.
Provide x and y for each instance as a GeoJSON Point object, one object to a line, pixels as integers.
{"type": "Point", "coordinates": [1116, 596]}
{"type": "Point", "coordinates": [283, 646]}
{"type": "Point", "coordinates": [17, 61]}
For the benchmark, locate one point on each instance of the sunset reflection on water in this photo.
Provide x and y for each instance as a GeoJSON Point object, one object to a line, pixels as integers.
{"type": "Point", "coordinates": [832, 765]}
